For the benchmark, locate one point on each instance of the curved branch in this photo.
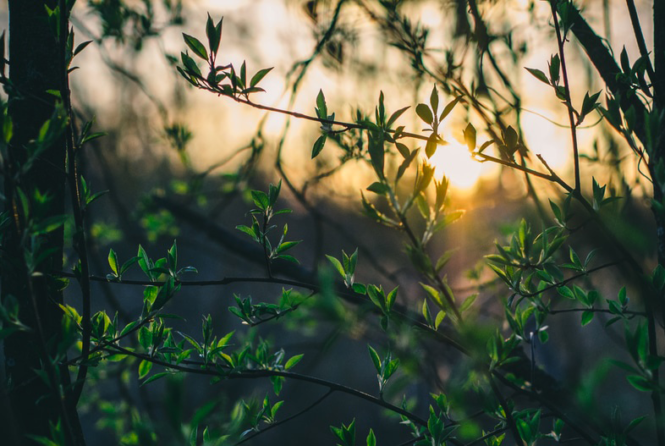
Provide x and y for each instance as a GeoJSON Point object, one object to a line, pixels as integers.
{"type": "Point", "coordinates": [572, 278]}
{"type": "Point", "coordinates": [204, 369]}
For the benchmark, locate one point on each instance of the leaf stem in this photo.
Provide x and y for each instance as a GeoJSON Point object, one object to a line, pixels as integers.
{"type": "Point", "coordinates": [569, 104]}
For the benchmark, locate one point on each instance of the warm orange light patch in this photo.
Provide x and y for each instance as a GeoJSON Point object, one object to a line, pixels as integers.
{"type": "Point", "coordinates": [455, 162]}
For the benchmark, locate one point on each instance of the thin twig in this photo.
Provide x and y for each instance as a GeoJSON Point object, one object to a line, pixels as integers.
{"type": "Point", "coordinates": [348, 295]}
{"type": "Point", "coordinates": [487, 435]}
{"type": "Point", "coordinates": [572, 278]}
{"type": "Point", "coordinates": [286, 420]}
{"type": "Point", "coordinates": [569, 104]}
{"type": "Point", "coordinates": [79, 237]}
{"type": "Point", "coordinates": [637, 30]}
{"type": "Point", "coordinates": [507, 411]}
{"type": "Point", "coordinates": [79, 234]}
{"type": "Point", "coordinates": [595, 310]}
{"type": "Point", "coordinates": [204, 369]}
{"type": "Point", "coordinates": [542, 400]}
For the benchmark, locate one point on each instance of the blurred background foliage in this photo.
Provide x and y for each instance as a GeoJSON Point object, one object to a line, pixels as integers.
{"type": "Point", "coordinates": [179, 163]}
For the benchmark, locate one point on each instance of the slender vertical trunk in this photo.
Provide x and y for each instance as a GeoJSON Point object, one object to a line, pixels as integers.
{"type": "Point", "coordinates": [659, 51]}
{"type": "Point", "coordinates": [34, 56]}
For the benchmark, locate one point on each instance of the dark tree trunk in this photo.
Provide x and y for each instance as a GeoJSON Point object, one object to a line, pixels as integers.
{"type": "Point", "coordinates": [35, 67]}
{"type": "Point", "coordinates": [659, 51]}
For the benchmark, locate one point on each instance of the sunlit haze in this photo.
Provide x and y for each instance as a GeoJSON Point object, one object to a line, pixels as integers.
{"type": "Point", "coordinates": [545, 138]}
{"type": "Point", "coordinates": [455, 162]}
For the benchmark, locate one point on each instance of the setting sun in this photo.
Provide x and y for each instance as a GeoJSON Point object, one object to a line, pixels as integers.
{"type": "Point", "coordinates": [454, 161]}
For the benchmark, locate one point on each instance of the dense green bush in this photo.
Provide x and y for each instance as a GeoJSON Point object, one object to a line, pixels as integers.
{"type": "Point", "coordinates": [454, 366]}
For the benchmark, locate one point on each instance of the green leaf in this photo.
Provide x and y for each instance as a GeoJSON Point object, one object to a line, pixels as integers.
{"type": "Point", "coordinates": [468, 302]}
{"type": "Point", "coordinates": [243, 74]}
{"type": "Point", "coordinates": [587, 316]}
{"type": "Point", "coordinates": [277, 383]}
{"type": "Point", "coordinates": [405, 164]}
{"type": "Point", "coordinates": [403, 150]}
{"type": "Point", "coordinates": [247, 230]}
{"type": "Point", "coordinates": [566, 292]}
{"type": "Point", "coordinates": [144, 262]}
{"type": "Point", "coordinates": [554, 65]}
{"type": "Point", "coordinates": [113, 261]}
{"type": "Point", "coordinates": [396, 116]}
{"type": "Point", "coordinates": [510, 137]}
{"type": "Point", "coordinates": [214, 34]}
{"type": "Point", "coordinates": [49, 224]}
{"type": "Point", "coordinates": [193, 341]}
{"type": "Point", "coordinates": [322, 109]}
{"type": "Point", "coordinates": [640, 383]}
{"type": "Point", "coordinates": [145, 338]}
{"type": "Point", "coordinates": [376, 295]}
{"type": "Point", "coordinates": [196, 46]}
{"type": "Point", "coordinates": [273, 193]}
{"type": "Point", "coordinates": [538, 75]}
{"type": "Point", "coordinates": [432, 145]}
{"type": "Point", "coordinates": [625, 63]}
{"type": "Point", "coordinates": [144, 368]}
{"type": "Point", "coordinates": [443, 260]}
{"type": "Point", "coordinates": [260, 199]}
{"type": "Point", "coordinates": [293, 361]}
{"type": "Point", "coordinates": [155, 377]}
{"type": "Point", "coordinates": [390, 298]}
{"type": "Point", "coordinates": [375, 359]}
{"type": "Point", "coordinates": [337, 264]}
{"type": "Point", "coordinates": [426, 313]}
{"type": "Point", "coordinates": [425, 113]}
{"type": "Point", "coordinates": [371, 438]}
{"type": "Point", "coordinates": [259, 76]}
{"type": "Point", "coordinates": [485, 145]}
{"type": "Point", "coordinates": [574, 258]}
{"type": "Point", "coordinates": [377, 153]}
{"type": "Point", "coordinates": [129, 327]}
{"type": "Point", "coordinates": [470, 137]}
{"type": "Point", "coordinates": [379, 188]}
{"type": "Point", "coordinates": [634, 423]}
{"type": "Point", "coordinates": [287, 245]}
{"type": "Point", "coordinates": [557, 212]}
{"type": "Point", "coordinates": [353, 261]}
{"type": "Point", "coordinates": [81, 47]}
{"type": "Point", "coordinates": [435, 295]}
{"type": "Point", "coordinates": [449, 219]}
{"type": "Point", "coordinates": [440, 316]}
{"type": "Point", "coordinates": [446, 111]}
{"type": "Point", "coordinates": [318, 146]}
{"type": "Point", "coordinates": [434, 99]}
{"type": "Point", "coordinates": [173, 256]}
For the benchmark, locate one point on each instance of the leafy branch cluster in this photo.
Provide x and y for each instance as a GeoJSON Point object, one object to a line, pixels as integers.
{"type": "Point", "coordinates": [498, 394]}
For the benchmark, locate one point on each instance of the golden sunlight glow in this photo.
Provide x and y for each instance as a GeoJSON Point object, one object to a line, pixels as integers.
{"type": "Point", "coordinates": [546, 139]}
{"type": "Point", "coordinates": [455, 162]}
{"type": "Point", "coordinates": [430, 15]}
